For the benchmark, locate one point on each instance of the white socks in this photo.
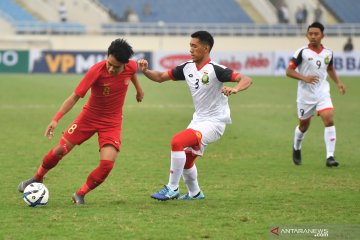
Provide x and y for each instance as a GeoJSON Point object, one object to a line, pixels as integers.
{"type": "Point", "coordinates": [298, 138]}
{"type": "Point", "coordinates": [330, 140]}
{"type": "Point", "coordinates": [190, 179]}
{"type": "Point", "coordinates": [178, 159]}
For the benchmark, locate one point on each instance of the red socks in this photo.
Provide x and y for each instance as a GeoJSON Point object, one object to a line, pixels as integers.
{"type": "Point", "coordinates": [96, 177]}
{"type": "Point", "coordinates": [49, 161]}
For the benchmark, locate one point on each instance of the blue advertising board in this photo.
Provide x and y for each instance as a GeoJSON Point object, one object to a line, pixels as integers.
{"type": "Point", "coordinates": [70, 61]}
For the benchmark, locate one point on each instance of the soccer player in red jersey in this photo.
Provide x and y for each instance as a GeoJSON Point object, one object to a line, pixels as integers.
{"type": "Point", "coordinates": [102, 114]}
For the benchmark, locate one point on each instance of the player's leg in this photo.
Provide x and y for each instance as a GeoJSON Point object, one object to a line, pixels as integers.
{"type": "Point", "coordinates": [108, 154]}
{"type": "Point", "coordinates": [190, 179]}
{"type": "Point", "coordinates": [300, 131]}
{"type": "Point", "coordinates": [179, 142]}
{"type": "Point", "coordinates": [329, 136]}
{"type": "Point", "coordinates": [210, 132]}
{"type": "Point", "coordinates": [76, 133]}
{"type": "Point", "coordinates": [49, 161]}
{"type": "Point", "coordinates": [53, 157]}
{"type": "Point", "coordinates": [109, 143]}
{"type": "Point", "coordinates": [305, 112]}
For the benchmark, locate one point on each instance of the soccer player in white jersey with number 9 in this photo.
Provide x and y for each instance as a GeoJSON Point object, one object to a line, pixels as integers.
{"type": "Point", "coordinates": [205, 79]}
{"type": "Point", "coordinates": [314, 62]}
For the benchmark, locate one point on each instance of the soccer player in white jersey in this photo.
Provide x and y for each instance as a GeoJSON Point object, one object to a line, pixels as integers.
{"type": "Point", "coordinates": [205, 79]}
{"type": "Point", "coordinates": [313, 63]}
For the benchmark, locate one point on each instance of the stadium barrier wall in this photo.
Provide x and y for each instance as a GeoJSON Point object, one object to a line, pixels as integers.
{"type": "Point", "coordinates": [166, 43]}
{"type": "Point", "coordinates": [257, 63]}
{"type": "Point", "coordinates": [253, 63]}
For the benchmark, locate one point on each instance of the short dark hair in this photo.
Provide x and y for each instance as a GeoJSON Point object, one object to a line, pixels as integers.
{"type": "Point", "coordinates": [317, 25]}
{"type": "Point", "coordinates": [204, 37]}
{"type": "Point", "coordinates": [121, 50]}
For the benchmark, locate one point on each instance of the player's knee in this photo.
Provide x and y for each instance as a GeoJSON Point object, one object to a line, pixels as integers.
{"type": "Point", "coordinates": [186, 138]}
{"type": "Point", "coordinates": [329, 123]}
{"type": "Point", "coordinates": [177, 143]}
{"type": "Point", "coordinates": [304, 125]}
{"type": "Point", "coordinates": [303, 128]}
{"type": "Point", "coordinates": [62, 148]}
{"type": "Point", "coordinates": [105, 168]}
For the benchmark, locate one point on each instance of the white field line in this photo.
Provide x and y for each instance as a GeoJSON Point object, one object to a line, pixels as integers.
{"type": "Point", "coordinates": [148, 106]}
{"type": "Point", "coordinates": [182, 106]}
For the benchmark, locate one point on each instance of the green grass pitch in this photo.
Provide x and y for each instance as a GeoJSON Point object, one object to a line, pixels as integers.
{"type": "Point", "coordinates": [248, 176]}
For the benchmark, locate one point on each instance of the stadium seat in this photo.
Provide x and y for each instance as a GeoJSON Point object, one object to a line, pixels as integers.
{"type": "Point", "coordinates": [24, 23]}
{"type": "Point", "coordinates": [14, 12]}
{"type": "Point", "coordinates": [346, 11]}
{"type": "Point", "coordinates": [181, 11]}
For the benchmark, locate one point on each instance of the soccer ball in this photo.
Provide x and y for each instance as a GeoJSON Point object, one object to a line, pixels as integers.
{"type": "Point", "coordinates": [36, 195]}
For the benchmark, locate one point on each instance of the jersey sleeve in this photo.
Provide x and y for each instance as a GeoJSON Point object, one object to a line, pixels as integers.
{"type": "Point", "coordinates": [132, 66]}
{"type": "Point", "coordinates": [224, 74]}
{"type": "Point", "coordinates": [296, 59]}
{"type": "Point", "coordinates": [177, 73]}
{"type": "Point", "coordinates": [331, 61]}
{"type": "Point", "coordinates": [331, 66]}
{"type": "Point", "coordinates": [88, 80]}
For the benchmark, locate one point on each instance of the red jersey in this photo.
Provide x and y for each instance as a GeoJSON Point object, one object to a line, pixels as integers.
{"type": "Point", "coordinates": [104, 107]}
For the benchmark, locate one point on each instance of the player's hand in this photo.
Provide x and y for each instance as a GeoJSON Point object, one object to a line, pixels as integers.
{"type": "Point", "coordinates": [140, 95]}
{"type": "Point", "coordinates": [311, 79]}
{"type": "Point", "coordinates": [143, 65]}
{"type": "Point", "coordinates": [341, 87]}
{"type": "Point", "coordinates": [227, 91]}
{"type": "Point", "coordinates": [49, 132]}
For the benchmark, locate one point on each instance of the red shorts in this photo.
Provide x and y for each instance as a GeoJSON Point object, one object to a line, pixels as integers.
{"type": "Point", "coordinates": [81, 130]}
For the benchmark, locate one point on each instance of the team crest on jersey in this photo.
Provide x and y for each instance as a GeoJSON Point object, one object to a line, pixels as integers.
{"type": "Point", "coordinates": [327, 60]}
{"type": "Point", "coordinates": [205, 78]}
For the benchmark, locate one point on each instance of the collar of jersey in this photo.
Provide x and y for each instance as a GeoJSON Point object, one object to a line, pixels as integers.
{"type": "Point", "coordinates": [199, 68]}
{"type": "Point", "coordinates": [315, 50]}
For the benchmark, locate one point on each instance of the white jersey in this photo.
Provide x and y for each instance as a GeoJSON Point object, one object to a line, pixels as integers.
{"type": "Point", "coordinates": [310, 62]}
{"type": "Point", "coordinates": [205, 86]}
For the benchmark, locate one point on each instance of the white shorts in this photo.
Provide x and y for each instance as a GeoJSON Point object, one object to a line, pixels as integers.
{"type": "Point", "coordinates": [306, 111]}
{"type": "Point", "coordinates": [210, 131]}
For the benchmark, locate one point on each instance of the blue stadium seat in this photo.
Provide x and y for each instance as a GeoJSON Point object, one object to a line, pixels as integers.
{"type": "Point", "coordinates": [24, 22]}
{"type": "Point", "coordinates": [15, 12]}
{"type": "Point", "coordinates": [182, 11]}
{"type": "Point", "coordinates": [346, 11]}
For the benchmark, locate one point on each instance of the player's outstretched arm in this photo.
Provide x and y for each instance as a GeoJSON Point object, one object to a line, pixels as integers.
{"type": "Point", "coordinates": [153, 75]}
{"type": "Point", "coordinates": [67, 105]}
{"type": "Point", "coordinates": [139, 91]}
{"type": "Point", "coordinates": [243, 83]}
